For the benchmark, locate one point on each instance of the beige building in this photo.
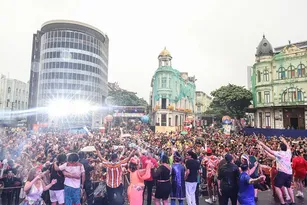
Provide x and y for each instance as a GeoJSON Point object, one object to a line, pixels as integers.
{"type": "Point", "coordinates": [202, 102]}
{"type": "Point", "coordinates": [14, 95]}
{"type": "Point", "coordinates": [279, 84]}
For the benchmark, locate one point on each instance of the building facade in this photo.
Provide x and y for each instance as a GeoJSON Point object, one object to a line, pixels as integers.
{"type": "Point", "coordinates": [279, 84]}
{"type": "Point", "coordinates": [173, 94]}
{"type": "Point", "coordinates": [13, 98]}
{"type": "Point", "coordinates": [249, 77]}
{"type": "Point", "coordinates": [202, 102]}
{"type": "Point", "coordinates": [69, 61]}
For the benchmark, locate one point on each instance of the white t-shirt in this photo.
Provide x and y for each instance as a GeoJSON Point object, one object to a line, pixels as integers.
{"type": "Point", "coordinates": [283, 161]}
{"type": "Point", "coordinates": [76, 169]}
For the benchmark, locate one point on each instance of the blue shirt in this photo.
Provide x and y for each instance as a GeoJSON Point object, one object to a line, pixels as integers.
{"type": "Point", "coordinates": [246, 191]}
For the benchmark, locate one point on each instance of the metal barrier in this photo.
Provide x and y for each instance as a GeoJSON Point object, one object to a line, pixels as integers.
{"type": "Point", "coordinates": [10, 197]}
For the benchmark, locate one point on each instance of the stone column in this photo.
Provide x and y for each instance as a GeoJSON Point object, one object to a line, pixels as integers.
{"type": "Point", "coordinates": [166, 119]}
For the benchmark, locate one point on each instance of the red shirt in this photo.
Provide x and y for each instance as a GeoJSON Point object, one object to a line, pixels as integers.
{"type": "Point", "coordinates": [144, 164]}
{"type": "Point", "coordinates": [299, 164]}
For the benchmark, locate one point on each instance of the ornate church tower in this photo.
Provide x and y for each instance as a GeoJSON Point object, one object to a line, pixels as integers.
{"type": "Point", "coordinates": [165, 58]}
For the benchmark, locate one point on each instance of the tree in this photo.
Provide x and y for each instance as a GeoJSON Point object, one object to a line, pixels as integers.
{"type": "Point", "coordinates": [230, 100]}
{"type": "Point", "coordinates": [126, 98]}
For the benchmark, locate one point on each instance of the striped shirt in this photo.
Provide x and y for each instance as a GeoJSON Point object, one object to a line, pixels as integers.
{"type": "Point", "coordinates": [211, 164]}
{"type": "Point", "coordinates": [114, 172]}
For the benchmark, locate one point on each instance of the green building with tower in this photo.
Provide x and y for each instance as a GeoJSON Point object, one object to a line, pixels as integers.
{"type": "Point", "coordinates": [172, 95]}
{"type": "Point", "coordinates": [279, 83]}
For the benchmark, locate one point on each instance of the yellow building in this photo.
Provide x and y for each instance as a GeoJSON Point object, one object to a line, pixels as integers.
{"type": "Point", "coordinates": [279, 83]}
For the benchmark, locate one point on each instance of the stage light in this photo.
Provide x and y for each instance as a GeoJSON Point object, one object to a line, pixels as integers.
{"type": "Point", "coordinates": [62, 107]}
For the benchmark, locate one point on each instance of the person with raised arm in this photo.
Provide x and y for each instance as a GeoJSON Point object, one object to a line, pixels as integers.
{"type": "Point", "coordinates": [114, 176]}
{"type": "Point", "coordinates": [284, 168]}
{"type": "Point", "coordinates": [34, 188]}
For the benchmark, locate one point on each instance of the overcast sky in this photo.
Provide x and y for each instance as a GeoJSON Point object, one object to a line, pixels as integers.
{"type": "Point", "coordinates": [211, 39]}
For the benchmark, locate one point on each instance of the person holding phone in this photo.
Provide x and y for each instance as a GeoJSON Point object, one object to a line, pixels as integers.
{"type": "Point", "coordinates": [34, 188]}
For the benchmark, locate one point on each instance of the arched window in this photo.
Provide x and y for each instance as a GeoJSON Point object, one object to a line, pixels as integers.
{"type": "Point", "coordinates": [266, 75]}
{"type": "Point", "coordinates": [9, 90]}
{"type": "Point", "coordinates": [300, 95]}
{"type": "Point", "coordinates": [281, 73]}
{"type": "Point", "coordinates": [259, 76]}
{"type": "Point", "coordinates": [292, 95]}
{"type": "Point", "coordinates": [301, 70]}
{"type": "Point", "coordinates": [291, 71]}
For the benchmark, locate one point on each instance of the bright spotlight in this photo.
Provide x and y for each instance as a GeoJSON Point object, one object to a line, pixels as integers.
{"type": "Point", "coordinates": [61, 108]}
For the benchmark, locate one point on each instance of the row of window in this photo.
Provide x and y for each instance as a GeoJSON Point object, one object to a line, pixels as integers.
{"type": "Point", "coordinates": [70, 86]}
{"type": "Point", "coordinates": [17, 105]}
{"type": "Point", "coordinates": [71, 76]}
{"type": "Point", "coordinates": [18, 92]}
{"type": "Point", "coordinates": [292, 95]}
{"type": "Point", "coordinates": [72, 40]}
{"type": "Point", "coordinates": [70, 34]}
{"type": "Point", "coordinates": [267, 98]}
{"type": "Point", "coordinates": [290, 72]}
{"type": "Point", "coordinates": [72, 55]}
{"type": "Point", "coordinates": [289, 95]}
{"type": "Point", "coordinates": [178, 121]}
{"type": "Point", "coordinates": [79, 46]}
{"type": "Point", "coordinates": [75, 66]}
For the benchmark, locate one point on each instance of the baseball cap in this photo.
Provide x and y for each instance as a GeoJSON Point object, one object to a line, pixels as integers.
{"type": "Point", "coordinates": [209, 151]}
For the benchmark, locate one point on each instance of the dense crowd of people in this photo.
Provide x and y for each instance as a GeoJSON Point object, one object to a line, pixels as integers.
{"type": "Point", "coordinates": [138, 167]}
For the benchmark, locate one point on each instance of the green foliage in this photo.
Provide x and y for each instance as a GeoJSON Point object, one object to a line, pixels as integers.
{"type": "Point", "coordinates": [230, 100]}
{"type": "Point", "coordinates": [126, 98]}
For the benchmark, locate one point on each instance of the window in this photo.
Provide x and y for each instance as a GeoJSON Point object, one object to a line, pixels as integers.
{"type": "Point", "coordinates": [260, 119]}
{"type": "Point", "coordinates": [266, 75]}
{"type": "Point", "coordinates": [259, 97]}
{"type": "Point", "coordinates": [281, 73]}
{"type": "Point", "coordinates": [170, 122]}
{"type": "Point", "coordinates": [292, 95]}
{"type": "Point", "coordinates": [268, 119]}
{"type": "Point", "coordinates": [267, 96]}
{"type": "Point", "coordinates": [163, 103]}
{"type": "Point", "coordinates": [258, 76]}
{"type": "Point", "coordinates": [198, 109]}
{"type": "Point", "coordinates": [176, 120]}
{"type": "Point", "coordinates": [9, 90]}
{"type": "Point", "coordinates": [300, 95]}
{"type": "Point", "coordinates": [163, 119]}
{"type": "Point", "coordinates": [291, 71]}
{"type": "Point", "coordinates": [163, 83]}
{"type": "Point", "coordinates": [301, 70]}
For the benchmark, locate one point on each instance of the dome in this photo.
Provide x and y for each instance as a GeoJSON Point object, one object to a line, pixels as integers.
{"type": "Point", "coordinates": [264, 48]}
{"type": "Point", "coordinates": [165, 53]}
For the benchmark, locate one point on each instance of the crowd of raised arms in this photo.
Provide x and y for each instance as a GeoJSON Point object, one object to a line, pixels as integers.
{"type": "Point", "coordinates": [143, 167]}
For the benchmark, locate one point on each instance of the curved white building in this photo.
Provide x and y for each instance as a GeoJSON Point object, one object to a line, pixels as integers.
{"type": "Point", "coordinates": [72, 67]}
